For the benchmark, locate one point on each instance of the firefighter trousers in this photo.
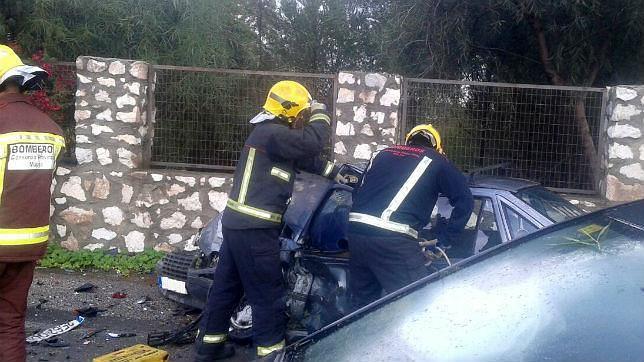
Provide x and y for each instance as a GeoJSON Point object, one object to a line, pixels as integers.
{"type": "Point", "coordinates": [249, 263]}
{"type": "Point", "coordinates": [15, 280]}
{"type": "Point", "coordinates": [382, 262]}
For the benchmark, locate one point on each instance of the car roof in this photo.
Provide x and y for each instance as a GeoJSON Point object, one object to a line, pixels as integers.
{"type": "Point", "coordinates": [501, 183]}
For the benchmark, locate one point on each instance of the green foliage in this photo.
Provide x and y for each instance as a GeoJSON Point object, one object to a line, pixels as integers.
{"type": "Point", "coordinates": [59, 257]}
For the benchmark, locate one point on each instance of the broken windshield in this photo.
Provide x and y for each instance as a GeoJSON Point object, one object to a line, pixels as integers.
{"type": "Point", "coordinates": [549, 204]}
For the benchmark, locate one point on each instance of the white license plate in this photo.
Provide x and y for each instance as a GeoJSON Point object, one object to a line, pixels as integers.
{"type": "Point", "coordinates": [173, 285]}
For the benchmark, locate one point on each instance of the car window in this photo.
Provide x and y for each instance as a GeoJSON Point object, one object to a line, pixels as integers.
{"type": "Point", "coordinates": [488, 234]}
{"type": "Point", "coordinates": [518, 225]}
{"type": "Point", "coordinates": [574, 293]}
{"type": "Point", "coordinates": [481, 230]}
{"type": "Point", "coordinates": [549, 204]}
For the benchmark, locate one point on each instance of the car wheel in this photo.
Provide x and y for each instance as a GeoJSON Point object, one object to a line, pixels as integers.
{"type": "Point", "coordinates": [241, 324]}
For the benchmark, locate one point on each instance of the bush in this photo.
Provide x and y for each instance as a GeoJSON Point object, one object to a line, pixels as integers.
{"type": "Point", "coordinates": [59, 257]}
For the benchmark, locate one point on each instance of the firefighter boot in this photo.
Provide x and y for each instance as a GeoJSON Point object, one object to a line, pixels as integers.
{"type": "Point", "coordinates": [213, 347]}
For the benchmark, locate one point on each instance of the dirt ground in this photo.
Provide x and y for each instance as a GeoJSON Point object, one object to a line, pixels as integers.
{"type": "Point", "coordinates": [120, 316]}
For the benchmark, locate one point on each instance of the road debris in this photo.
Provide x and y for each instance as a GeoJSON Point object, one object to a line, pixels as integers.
{"type": "Point", "coordinates": [55, 331]}
{"type": "Point", "coordinates": [121, 335]}
{"type": "Point", "coordinates": [41, 301]}
{"type": "Point", "coordinates": [56, 343]}
{"type": "Point", "coordinates": [87, 287]}
{"type": "Point", "coordinates": [87, 312]}
{"type": "Point", "coordinates": [91, 333]}
{"type": "Point", "coordinates": [119, 295]}
{"type": "Point", "coordinates": [143, 300]}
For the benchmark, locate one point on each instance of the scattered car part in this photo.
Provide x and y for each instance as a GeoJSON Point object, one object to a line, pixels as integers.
{"type": "Point", "coordinates": [55, 331]}
{"type": "Point", "coordinates": [119, 295]}
{"type": "Point", "coordinates": [178, 337]}
{"type": "Point", "coordinates": [121, 335]}
{"type": "Point", "coordinates": [88, 312]}
{"type": "Point", "coordinates": [87, 287]}
{"type": "Point", "coordinates": [92, 333]}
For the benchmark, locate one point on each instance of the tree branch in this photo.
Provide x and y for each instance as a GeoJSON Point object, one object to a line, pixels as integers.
{"type": "Point", "coordinates": [544, 53]}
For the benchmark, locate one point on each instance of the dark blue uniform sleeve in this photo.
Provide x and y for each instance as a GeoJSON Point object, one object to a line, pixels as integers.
{"type": "Point", "coordinates": [300, 144]}
{"type": "Point", "coordinates": [454, 186]}
{"type": "Point", "coordinates": [318, 165]}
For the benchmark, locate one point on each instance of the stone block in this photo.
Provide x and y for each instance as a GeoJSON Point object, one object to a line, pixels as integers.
{"type": "Point", "coordinates": [101, 188]}
{"type": "Point", "coordinates": [344, 129]}
{"type": "Point", "coordinates": [135, 241]}
{"type": "Point", "coordinates": [106, 116]}
{"type": "Point", "coordinates": [620, 151]}
{"type": "Point", "coordinates": [176, 221]}
{"type": "Point", "coordinates": [106, 82]}
{"type": "Point", "coordinates": [82, 115]}
{"type": "Point", "coordinates": [618, 191]}
{"type": "Point", "coordinates": [125, 100]}
{"type": "Point", "coordinates": [103, 156]}
{"type": "Point", "coordinates": [390, 98]}
{"type": "Point", "coordinates": [103, 234]}
{"type": "Point", "coordinates": [362, 152]}
{"type": "Point", "coordinates": [625, 94]}
{"type": "Point", "coordinates": [126, 193]}
{"type": "Point", "coordinates": [73, 188]}
{"type": "Point", "coordinates": [217, 200]}
{"type": "Point", "coordinates": [345, 95]}
{"type": "Point", "coordinates": [95, 66]}
{"type": "Point", "coordinates": [191, 203]}
{"type": "Point", "coordinates": [346, 78]}
{"type": "Point", "coordinates": [116, 68]}
{"type": "Point", "coordinates": [375, 80]}
{"type": "Point", "coordinates": [624, 131]}
{"type": "Point", "coordinates": [139, 70]}
{"type": "Point", "coordinates": [624, 113]}
{"type": "Point", "coordinates": [633, 171]}
{"type": "Point", "coordinates": [359, 113]}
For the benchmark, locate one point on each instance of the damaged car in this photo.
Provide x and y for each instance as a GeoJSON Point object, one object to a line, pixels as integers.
{"type": "Point", "coordinates": [314, 245]}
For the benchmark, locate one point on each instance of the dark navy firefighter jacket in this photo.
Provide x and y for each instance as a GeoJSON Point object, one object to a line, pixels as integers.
{"type": "Point", "coordinates": [266, 170]}
{"type": "Point", "coordinates": [400, 189]}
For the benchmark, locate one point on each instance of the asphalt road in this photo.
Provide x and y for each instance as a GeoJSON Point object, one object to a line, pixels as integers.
{"type": "Point", "coordinates": [120, 316]}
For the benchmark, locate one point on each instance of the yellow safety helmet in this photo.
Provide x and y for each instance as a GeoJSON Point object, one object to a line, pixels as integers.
{"type": "Point", "coordinates": [11, 66]}
{"type": "Point", "coordinates": [287, 99]}
{"type": "Point", "coordinates": [430, 133]}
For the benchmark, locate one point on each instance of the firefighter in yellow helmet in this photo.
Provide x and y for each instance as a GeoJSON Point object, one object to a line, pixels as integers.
{"type": "Point", "coordinates": [30, 143]}
{"type": "Point", "coordinates": [290, 134]}
{"type": "Point", "coordinates": [393, 203]}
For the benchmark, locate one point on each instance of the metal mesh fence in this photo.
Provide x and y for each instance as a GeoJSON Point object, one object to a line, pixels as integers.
{"type": "Point", "coordinates": [536, 129]}
{"type": "Point", "coordinates": [202, 114]}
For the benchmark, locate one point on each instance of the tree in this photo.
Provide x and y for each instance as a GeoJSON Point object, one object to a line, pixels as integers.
{"type": "Point", "coordinates": [560, 42]}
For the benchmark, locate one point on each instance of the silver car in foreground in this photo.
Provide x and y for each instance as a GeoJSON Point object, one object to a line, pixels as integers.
{"type": "Point", "coordinates": [573, 291]}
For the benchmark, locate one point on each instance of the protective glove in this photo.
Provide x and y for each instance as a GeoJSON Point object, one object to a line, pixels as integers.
{"type": "Point", "coordinates": [317, 106]}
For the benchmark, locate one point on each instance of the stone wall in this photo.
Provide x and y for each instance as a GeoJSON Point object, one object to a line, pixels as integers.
{"type": "Point", "coordinates": [366, 113]}
{"type": "Point", "coordinates": [623, 151]}
{"type": "Point", "coordinates": [111, 199]}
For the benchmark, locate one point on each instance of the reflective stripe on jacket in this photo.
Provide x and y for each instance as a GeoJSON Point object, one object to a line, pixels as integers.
{"type": "Point", "coordinates": [401, 186]}
{"type": "Point", "coordinates": [30, 143]}
{"type": "Point", "coordinates": [266, 170]}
